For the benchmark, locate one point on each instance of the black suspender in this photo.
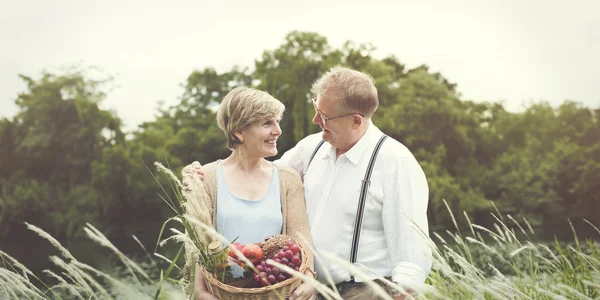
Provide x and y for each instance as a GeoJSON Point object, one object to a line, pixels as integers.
{"type": "Point", "coordinates": [361, 203]}
{"type": "Point", "coordinates": [314, 153]}
{"type": "Point", "coordinates": [363, 196]}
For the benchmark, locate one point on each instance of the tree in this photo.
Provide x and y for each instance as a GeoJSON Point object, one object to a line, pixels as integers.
{"type": "Point", "coordinates": [52, 142]}
{"type": "Point", "coordinates": [288, 73]}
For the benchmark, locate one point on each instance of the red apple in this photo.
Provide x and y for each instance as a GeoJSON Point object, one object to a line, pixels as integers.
{"type": "Point", "coordinates": [238, 246]}
{"type": "Point", "coordinates": [253, 253]}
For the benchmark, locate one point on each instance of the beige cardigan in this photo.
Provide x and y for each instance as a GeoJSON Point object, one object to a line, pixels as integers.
{"type": "Point", "coordinates": [295, 221]}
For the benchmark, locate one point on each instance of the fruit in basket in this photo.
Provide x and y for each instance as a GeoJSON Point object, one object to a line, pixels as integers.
{"type": "Point", "coordinates": [253, 253]}
{"type": "Point", "coordinates": [295, 248]}
{"type": "Point", "coordinates": [274, 243]}
{"type": "Point", "coordinates": [270, 274]}
{"type": "Point", "coordinates": [296, 260]}
{"type": "Point", "coordinates": [237, 245]}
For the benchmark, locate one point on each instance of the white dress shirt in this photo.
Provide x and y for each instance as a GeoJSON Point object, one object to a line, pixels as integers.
{"type": "Point", "coordinates": [389, 245]}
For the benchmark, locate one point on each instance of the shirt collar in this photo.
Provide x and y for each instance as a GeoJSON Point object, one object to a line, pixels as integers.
{"type": "Point", "coordinates": [356, 152]}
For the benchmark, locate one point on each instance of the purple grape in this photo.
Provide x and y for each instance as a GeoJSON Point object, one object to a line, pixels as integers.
{"type": "Point", "coordinates": [295, 248]}
{"type": "Point", "coordinates": [296, 260]}
{"type": "Point", "coordinates": [264, 282]}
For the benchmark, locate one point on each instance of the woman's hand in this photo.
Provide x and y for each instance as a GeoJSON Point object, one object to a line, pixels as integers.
{"type": "Point", "coordinates": [303, 292]}
{"type": "Point", "coordinates": [200, 291]}
{"type": "Point", "coordinates": [204, 295]}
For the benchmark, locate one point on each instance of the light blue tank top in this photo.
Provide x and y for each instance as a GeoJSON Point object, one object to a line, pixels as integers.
{"type": "Point", "coordinates": [248, 220]}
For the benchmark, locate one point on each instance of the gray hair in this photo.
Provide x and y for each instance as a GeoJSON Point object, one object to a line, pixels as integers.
{"type": "Point", "coordinates": [243, 106]}
{"type": "Point", "coordinates": [356, 90]}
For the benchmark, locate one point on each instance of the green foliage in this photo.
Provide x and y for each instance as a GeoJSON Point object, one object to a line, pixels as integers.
{"type": "Point", "coordinates": [287, 73]}
{"type": "Point", "coordinates": [65, 161]}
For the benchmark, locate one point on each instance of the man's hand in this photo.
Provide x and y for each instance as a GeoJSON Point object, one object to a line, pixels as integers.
{"type": "Point", "coordinates": [189, 172]}
{"type": "Point", "coordinates": [302, 292]}
{"type": "Point", "coordinates": [410, 295]}
{"type": "Point", "coordinates": [193, 168]}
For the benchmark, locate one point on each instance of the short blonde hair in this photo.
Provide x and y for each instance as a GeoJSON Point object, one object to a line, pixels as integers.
{"type": "Point", "coordinates": [243, 106]}
{"type": "Point", "coordinates": [356, 90]}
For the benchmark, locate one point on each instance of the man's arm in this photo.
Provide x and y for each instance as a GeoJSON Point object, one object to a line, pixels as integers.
{"type": "Point", "coordinates": [404, 209]}
{"type": "Point", "coordinates": [297, 157]}
{"type": "Point", "coordinates": [292, 159]}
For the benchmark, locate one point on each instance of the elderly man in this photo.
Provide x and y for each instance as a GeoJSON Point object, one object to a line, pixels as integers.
{"type": "Point", "coordinates": [366, 194]}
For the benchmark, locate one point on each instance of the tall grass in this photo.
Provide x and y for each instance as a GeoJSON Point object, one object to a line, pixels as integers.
{"type": "Point", "coordinates": [502, 262]}
{"type": "Point", "coordinates": [507, 263]}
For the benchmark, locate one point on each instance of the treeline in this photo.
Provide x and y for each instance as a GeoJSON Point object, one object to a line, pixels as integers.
{"type": "Point", "coordinates": [65, 161]}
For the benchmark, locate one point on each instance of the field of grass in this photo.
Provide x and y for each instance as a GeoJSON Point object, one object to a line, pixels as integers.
{"type": "Point", "coordinates": [503, 262]}
{"type": "Point", "coordinates": [479, 264]}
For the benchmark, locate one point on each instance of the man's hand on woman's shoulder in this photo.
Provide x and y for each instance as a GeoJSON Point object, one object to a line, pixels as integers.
{"type": "Point", "coordinates": [193, 169]}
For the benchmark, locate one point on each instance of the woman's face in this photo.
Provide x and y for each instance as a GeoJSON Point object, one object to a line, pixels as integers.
{"type": "Point", "coordinates": [260, 138]}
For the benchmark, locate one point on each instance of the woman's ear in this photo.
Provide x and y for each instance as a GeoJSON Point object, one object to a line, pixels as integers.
{"type": "Point", "coordinates": [240, 136]}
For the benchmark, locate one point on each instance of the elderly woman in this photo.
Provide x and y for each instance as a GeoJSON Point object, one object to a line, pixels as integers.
{"type": "Point", "coordinates": [252, 198]}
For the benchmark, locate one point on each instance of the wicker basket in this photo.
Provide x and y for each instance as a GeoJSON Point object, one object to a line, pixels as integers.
{"type": "Point", "coordinates": [275, 291]}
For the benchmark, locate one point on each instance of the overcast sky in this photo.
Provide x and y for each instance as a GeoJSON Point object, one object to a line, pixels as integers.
{"type": "Point", "coordinates": [495, 50]}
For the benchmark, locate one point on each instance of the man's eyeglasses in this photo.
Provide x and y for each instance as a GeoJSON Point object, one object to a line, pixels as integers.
{"type": "Point", "coordinates": [325, 119]}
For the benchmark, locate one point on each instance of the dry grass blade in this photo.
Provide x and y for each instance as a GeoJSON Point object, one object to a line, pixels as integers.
{"type": "Point", "coordinates": [77, 278]}
{"type": "Point", "coordinates": [97, 236]}
{"type": "Point", "coordinates": [515, 252]}
{"type": "Point", "coordinates": [319, 260]}
{"type": "Point", "coordinates": [593, 226]}
{"type": "Point", "coordinates": [122, 287]}
{"type": "Point", "coordinates": [469, 222]}
{"type": "Point", "coordinates": [51, 239]}
{"type": "Point", "coordinates": [569, 291]}
{"type": "Point", "coordinates": [15, 263]}
{"type": "Point", "coordinates": [10, 286]}
{"type": "Point", "coordinates": [518, 225]}
{"type": "Point", "coordinates": [64, 284]}
{"type": "Point", "coordinates": [595, 285]}
{"type": "Point", "coordinates": [356, 272]}
{"type": "Point", "coordinates": [451, 216]}
{"type": "Point", "coordinates": [13, 283]}
{"type": "Point", "coordinates": [324, 290]}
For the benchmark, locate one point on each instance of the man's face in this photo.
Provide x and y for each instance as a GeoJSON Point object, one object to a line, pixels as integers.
{"type": "Point", "coordinates": [336, 130]}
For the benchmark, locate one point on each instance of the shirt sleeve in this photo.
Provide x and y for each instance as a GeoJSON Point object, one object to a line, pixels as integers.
{"type": "Point", "coordinates": [405, 209]}
{"type": "Point", "coordinates": [294, 158]}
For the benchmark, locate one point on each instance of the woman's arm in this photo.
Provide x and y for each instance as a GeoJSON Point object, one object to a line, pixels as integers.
{"type": "Point", "coordinates": [297, 221]}
{"type": "Point", "coordinates": [297, 227]}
